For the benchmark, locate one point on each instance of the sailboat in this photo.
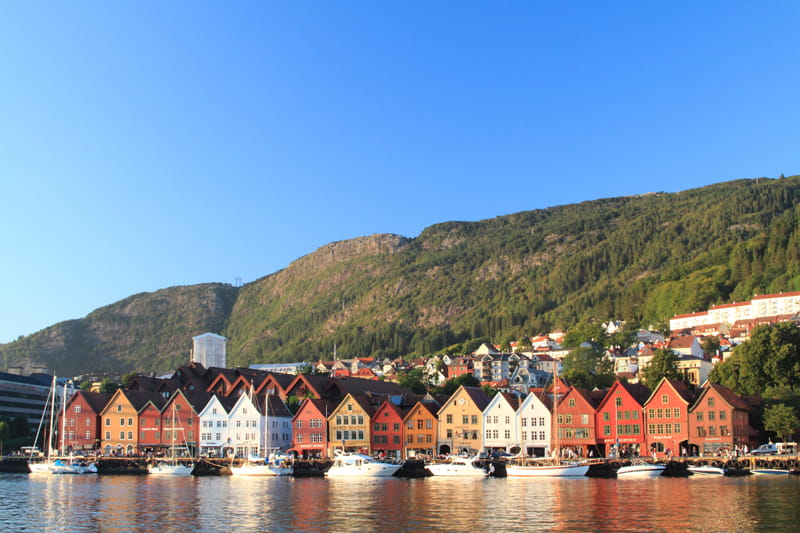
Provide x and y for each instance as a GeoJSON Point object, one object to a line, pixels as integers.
{"type": "Point", "coordinates": [56, 465]}
{"type": "Point", "coordinates": [548, 467]}
{"type": "Point", "coordinates": [170, 467]}
{"type": "Point", "coordinates": [265, 464]}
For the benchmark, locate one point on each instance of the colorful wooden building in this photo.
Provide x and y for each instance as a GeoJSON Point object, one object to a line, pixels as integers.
{"type": "Point", "coordinates": [619, 420]}
{"type": "Point", "coordinates": [667, 418]}
{"type": "Point", "coordinates": [310, 428]}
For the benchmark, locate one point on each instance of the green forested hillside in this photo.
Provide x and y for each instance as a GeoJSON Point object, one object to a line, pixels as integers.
{"type": "Point", "coordinates": [638, 258]}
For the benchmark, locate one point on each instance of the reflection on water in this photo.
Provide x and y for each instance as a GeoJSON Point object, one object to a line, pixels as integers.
{"type": "Point", "coordinates": [128, 503]}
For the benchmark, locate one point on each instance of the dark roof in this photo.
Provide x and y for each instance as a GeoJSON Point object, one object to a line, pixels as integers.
{"type": "Point", "coordinates": [639, 392]}
{"type": "Point", "coordinates": [40, 380]}
{"type": "Point", "coordinates": [96, 400]}
{"type": "Point", "coordinates": [139, 399]}
{"type": "Point", "coordinates": [326, 407]}
{"type": "Point", "coordinates": [478, 396]}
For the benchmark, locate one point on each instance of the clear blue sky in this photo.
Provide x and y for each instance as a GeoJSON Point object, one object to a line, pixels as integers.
{"type": "Point", "coordinates": [150, 144]}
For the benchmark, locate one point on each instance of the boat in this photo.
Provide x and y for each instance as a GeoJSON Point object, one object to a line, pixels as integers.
{"type": "Point", "coordinates": [272, 463]}
{"type": "Point", "coordinates": [359, 465]}
{"type": "Point", "coordinates": [60, 464]}
{"type": "Point", "coordinates": [640, 469]}
{"type": "Point", "coordinates": [557, 469]}
{"type": "Point", "coordinates": [171, 466]}
{"type": "Point", "coordinates": [457, 466]}
{"type": "Point", "coordinates": [554, 467]}
{"type": "Point", "coordinates": [769, 471]}
{"type": "Point", "coordinates": [706, 470]}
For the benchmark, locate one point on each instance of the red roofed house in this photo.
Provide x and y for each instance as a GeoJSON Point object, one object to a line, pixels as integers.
{"type": "Point", "coordinates": [667, 416]}
{"type": "Point", "coordinates": [620, 421]}
{"type": "Point", "coordinates": [419, 430]}
{"type": "Point", "coordinates": [575, 422]}
{"type": "Point", "coordinates": [82, 422]}
{"type": "Point", "coordinates": [387, 430]}
{"type": "Point", "coordinates": [719, 420]}
{"type": "Point", "coordinates": [310, 428]}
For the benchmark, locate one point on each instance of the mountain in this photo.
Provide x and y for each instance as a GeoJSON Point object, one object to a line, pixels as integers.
{"type": "Point", "coordinates": [638, 258]}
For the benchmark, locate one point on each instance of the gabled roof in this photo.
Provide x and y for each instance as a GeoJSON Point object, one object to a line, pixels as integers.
{"type": "Point", "coordinates": [478, 397]}
{"type": "Point", "coordinates": [139, 399]}
{"type": "Point", "coordinates": [733, 399]}
{"type": "Point", "coordinates": [324, 407]}
{"type": "Point", "coordinates": [97, 401]}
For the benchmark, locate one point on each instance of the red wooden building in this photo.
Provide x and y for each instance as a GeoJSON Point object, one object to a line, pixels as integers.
{"type": "Point", "coordinates": [82, 421]}
{"type": "Point", "coordinates": [310, 428]}
{"type": "Point", "coordinates": [719, 421]}
{"type": "Point", "coordinates": [667, 416]}
{"type": "Point", "coordinates": [387, 430]}
{"type": "Point", "coordinates": [619, 420]}
{"type": "Point", "coordinates": [575, 422]}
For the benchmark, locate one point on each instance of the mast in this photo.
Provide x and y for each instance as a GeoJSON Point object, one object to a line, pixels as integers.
{"type": "Point", "coordinates": [63, 418]}
{"type": "Point", "coordinates": [52, 416]}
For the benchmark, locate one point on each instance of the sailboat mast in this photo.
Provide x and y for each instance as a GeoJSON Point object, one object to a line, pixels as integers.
{"type": "Point", "coordinates": [63, 418]}
{"type": "Point", "coordinates": [52, 417]}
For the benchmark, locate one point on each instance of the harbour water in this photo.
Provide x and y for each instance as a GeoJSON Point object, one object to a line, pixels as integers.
{"type": "Point", "coordinates": [210, 504]}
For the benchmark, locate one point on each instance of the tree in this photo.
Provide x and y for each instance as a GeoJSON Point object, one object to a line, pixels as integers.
{"type": "Point", "coordinates": [587, 368]}
{"type": "Point", "coordinates": [128, 378]}
{"type": "Point", "coordinates": [710, 345]}
{"type": "Point", "coordinates": [590, 332]}
{"type": "Point", "coordinates": [108, 386]}
{"type": "Point", "coordinates": [662, 365]}
{"type": "Point", "coordinates": [782, 420]}
{"type": "Point", "coordinates": [451, 385]}
{"type": "Point", "coordinates": [770, 358]}
{"type": "Point", "coordinates": [413, 379]}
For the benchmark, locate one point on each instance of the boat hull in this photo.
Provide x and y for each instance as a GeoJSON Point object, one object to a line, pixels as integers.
{"type": "Point", "coordinates": [547, 471]}
{"type": "Point", "coordinates": [61, 468]}
{"type": "Point", "coordinates": [706, 470]}
{"type": "Point", "coordinates": [456, 470]}
{"type": "Point", "coordinates": [169, 470]}
{"type": "Point", "coordinates": [370, 470]}
{"type": "Point", "coordinates": [769, 472]}
{"type": "Point", "coordinates": [640, 471]}
{"type": "Point", "coordinates": [261, 470]}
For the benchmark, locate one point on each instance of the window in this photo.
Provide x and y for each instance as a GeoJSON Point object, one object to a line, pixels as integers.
{"type": "Point", "coordinates": [677, 428]}
{"type": "Point", "coordinates": [349, 406]}
{"type": "Point", "coordinates": [659, 413]}
{"type": "Point", "coordinates": [346, 420]}
{"type": "Point", "coordinates": [585, 419]}
{"type": "Point", "coordinates": [78, 408]}
{"type": "Point", "coordinates": [722, 415]}
{"type": "Point", "coordinates": [361, 419]}
{"type": "Point", "coordinates": [465, 419]}
{"type": "Point", "coordinates": [712, 416]}
{"type": "Point", "coordinates": [121, 421]}
{"type": "Point", "coordinates": [428, 423]}
{"type": "Point", "coordinates": [508, 420]}
{"type": "Point", "coordinates": [664, 398]}
{"type": "Point", "coordinates": [606, 416]}
{"type": "Point", "coordinates": [108, 435]}
{"type": "Point", "coordinates": [121, 435]}
{"type": "Point", "coordinates": [524, 424]}
{"type": "Point", "coordinates": [119, 408]}
{"type": "Point", "coordinates": [87, 435]}
{"type": "Point", "coordinates": [299, 424]}
{"type": "Point", "coordinates": [618, 401]}
{"type": "Point", "coordinates": [449, 419]}
{"type": "Point", "coordinates": [607, 430]}
{"type": "Point", "coordinates": [676, 412]}
{"type": "Point", "coordinates": [651, 413]}
{"type": "Point", "coordinates": [571, 402]}
{"type": "Point", "coordinates": [711, 402]}
{"type": "Point", "coordinates": [420, 422]}
{"type": "Point", "coordinates": [410, 424]}
{"type": "Point", "coordinates": [474, 419]}
{"type": "Point", "coordinates": [699, 416]}
{"type": "Point", "coordinates": [130, 421]}
{"type": "Point", "coordinates": [449, 433]}
{"type": "Point", "coordinates": [395, 427]}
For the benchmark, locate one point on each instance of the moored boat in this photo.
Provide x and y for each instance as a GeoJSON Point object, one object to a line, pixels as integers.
{"type": "Point", "coordinates": [457, 466]}
{"type": "Point", "coordinates": [358, 465]}
{"type": "Point", "coordinates": [544, 470]}
{"type": "Point", "coordinates": [769, 471]}
{"type": "Point", "coordinates": [258, 466]}
{"type": "Point", "coordinates": [640, 469]}
{"type": "Point", "coordinates": [169, 468]}
{"type": "Point", "coordinates": [706, 470]}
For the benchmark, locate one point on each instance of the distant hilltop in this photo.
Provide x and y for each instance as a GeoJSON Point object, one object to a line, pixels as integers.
{"type": "Point", "coordinates": [642, 259]}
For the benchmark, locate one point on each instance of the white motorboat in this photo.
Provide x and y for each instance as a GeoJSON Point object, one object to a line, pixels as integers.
{"type": "Point", "coordinates": [358, 465]}
{"type": "Point", "coordinates": [547, 470]}
{"type": "Point", "coordinates": [706, 470]}
{"type": "Point", "coordinates": [640, 469]}
{"type": "Point", "coordinates": [457, 466]}
{"type": "Point", "coordinates": [59, 466]}
{"type": "Point", "coordinates": [769, 471]}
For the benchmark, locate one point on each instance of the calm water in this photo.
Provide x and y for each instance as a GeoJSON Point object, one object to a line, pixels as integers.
{"type": "Point", "coordinates": [132, 503]}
